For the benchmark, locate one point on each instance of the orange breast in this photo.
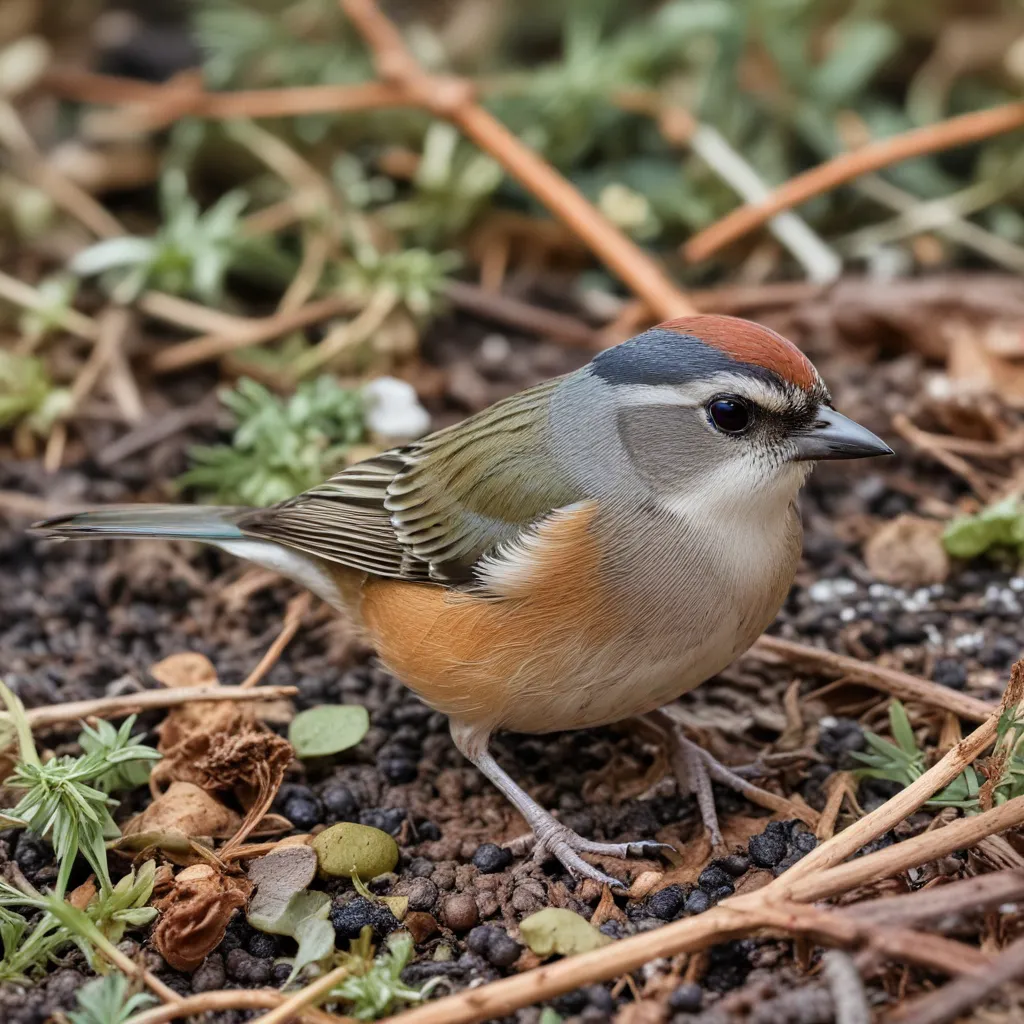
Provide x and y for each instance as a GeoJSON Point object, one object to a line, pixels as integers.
{"type": "Point", "coordinates": [479, 657]}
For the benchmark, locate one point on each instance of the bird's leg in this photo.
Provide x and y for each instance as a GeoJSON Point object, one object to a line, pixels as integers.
{"type": "Point", "coordinates": [696, 769]}
{"type": "Point", "coordinates": [551, 836]}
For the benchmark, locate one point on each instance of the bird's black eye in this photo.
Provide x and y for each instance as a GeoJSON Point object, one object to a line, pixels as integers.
{"type": "Point", "coordinates": [730, 415]}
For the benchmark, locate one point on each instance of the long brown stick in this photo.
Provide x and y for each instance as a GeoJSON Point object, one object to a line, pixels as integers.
{"type": "Point", "coordinates": [888, 680]}
{"type": "Point", "coordinates": [147, 700]}
{"type": "Point", "coordinates": [949, 1002]}
{"type": "Point", "coordinates": [957, 131]}
{"type": "Point", "coordinates": [232, 999]}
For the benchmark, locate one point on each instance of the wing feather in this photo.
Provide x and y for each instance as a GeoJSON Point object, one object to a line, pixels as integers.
{"type": "Point", "coordinates": [433, 509]}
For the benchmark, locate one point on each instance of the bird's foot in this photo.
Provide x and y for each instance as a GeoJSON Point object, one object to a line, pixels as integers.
{"type": "Point", "coordinates": [695, 769]}
{"type": "Point", "coordinates": [551, 837]}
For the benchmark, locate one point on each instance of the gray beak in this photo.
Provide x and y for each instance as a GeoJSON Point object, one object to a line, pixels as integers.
{"type": "Point", "coordinates": [835, 436]}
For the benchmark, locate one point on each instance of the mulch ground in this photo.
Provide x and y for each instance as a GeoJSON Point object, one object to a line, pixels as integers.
{"type": "Point", "coordinates": [88, 620]}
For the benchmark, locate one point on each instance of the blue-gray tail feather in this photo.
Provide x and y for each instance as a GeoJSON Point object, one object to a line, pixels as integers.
{"type": "Point", "coordinates": [192, 522]}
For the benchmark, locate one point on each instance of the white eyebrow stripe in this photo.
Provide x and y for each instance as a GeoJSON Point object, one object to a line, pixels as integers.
{"type": "Point", "coordinates": [698, 392]}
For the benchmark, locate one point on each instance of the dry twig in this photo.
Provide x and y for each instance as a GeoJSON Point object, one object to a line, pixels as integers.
{"type": "Point", "coordinates": [232, 999]}
{"type": "Point", "coordinates": [957, 131]}
{"type": "Point", "coordinates": [147, 700]}
{"type": "Point", "coordinates": [878, 677]}
{"type": "Point", "coordinates": [297, 608]}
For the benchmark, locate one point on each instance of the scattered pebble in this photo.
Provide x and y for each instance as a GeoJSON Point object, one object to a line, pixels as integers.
{"type": "Point", "coordinates": [460, 912]}
{"type": "Point", "coordinates": [490, 858]}
{"type": "Point", "coordinates": [349, 919]}
{"type": "Point", "coordinates": [686, 999]}
{"type": "Point", "coordinates": [494, 944]}
{"type": "Point", "coordinates": [666, 903]}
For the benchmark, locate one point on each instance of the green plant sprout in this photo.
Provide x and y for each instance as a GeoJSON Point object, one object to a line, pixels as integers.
{"type": "Point", "coordinates": [57, 292]}
{"type": "Point", "coordinates": [108, 1001]}
{"type": "Point", "coordinates": [998, 526]}
{"type": "Point", "coordinates": [453, 183]}
{"type": "Point", "coordinates": [62, 798]}
{"type": "Point", "coordinates": [416, 278]}
{"type": "Point", "coordinates": [29, 948]}
{"type": "Point", "coordinates": [374, 986]}
{"type": "Point", "coordinates": [280, 446]}
{"type": "Point", "coordinates": [191, 253]}
{"type": "Point", "coordinates": [904, 761]}
{"type": "Point", "coordinates": [28, 396]}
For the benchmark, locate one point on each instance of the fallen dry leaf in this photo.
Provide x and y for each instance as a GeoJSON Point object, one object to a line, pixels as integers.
{"type": "Point", "coordinates": [185, 669]}
{"type": "Point", "coordinates": [907, 552]}
{"type": "Point", "coordinates": [194, 915]}
{"type": "Point", "coordinates": [187, 808]}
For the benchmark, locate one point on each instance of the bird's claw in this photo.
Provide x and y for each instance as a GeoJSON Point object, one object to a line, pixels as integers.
{"type": "Point", "coordinates": [560, 842]}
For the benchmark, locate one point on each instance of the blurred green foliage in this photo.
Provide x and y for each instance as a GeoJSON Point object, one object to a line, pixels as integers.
{"type": "Point", "coordinates": [787, 82]}
{"type": "Point", "coordinates": [280, 446]}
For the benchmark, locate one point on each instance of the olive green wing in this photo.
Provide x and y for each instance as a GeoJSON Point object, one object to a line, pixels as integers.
{"type": "Point", "coordinates": [431, 510]}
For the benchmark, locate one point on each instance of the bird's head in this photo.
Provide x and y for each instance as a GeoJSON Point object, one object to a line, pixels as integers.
{"type": "Point", "coordinates": [711, 410]}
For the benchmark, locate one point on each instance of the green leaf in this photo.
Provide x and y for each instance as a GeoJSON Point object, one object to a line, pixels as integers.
{"type": "Point", "coordinates": [328, 729]}
{"type": "Point", "coordinates": [556, 930]}
{"type": "Point", "coordinates": [902, 730]}
{"type": "Point", "coordinates": [999, 525]}
{"type": "Point", "coordinates": [106, 1001]}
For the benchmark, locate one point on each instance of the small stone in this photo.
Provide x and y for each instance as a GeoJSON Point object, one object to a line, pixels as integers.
{"type": "Point", "coordinates": [950, 672]}
{"type": "Point", "coordinates": [62, 988]}
{"type": "Point", "coordinates": [665, 903]}
{"type": "Point", "coordinates": [210, 975]}
{"type": "Point", "coordinates": [422, 893]}
{"type": "Point", "coordinates": [839, 737]}
{"type": "Point", "coordinates": [735, 865]}
{"type": "Point", "coordinates": [503, 950]}
{"type": "Point", "coordinates": [31, 853]}
{"type": "Point", "coordinates": [686, 999]}
{"type": "Point", "coordinates": [767, 849]}
{"type": "Point", "coordinates": [494, 944]}
{"type": "Point", "coordinates": [339, 803]}
{"type": "Point", "coordinates": [459, 912]}
{"type": "Point", "coordinates": [398, 770]}
{"type": "Point", "coordinates": [714, 877]}
{"type": "Point", "coordinates": [697, 902]}
{"type": "Point", "coordinates": [349, 919]}
{"type": "Point", "coordinates": [387, 819]}
{"type": "Point", "coordinates": [804, 841]}
{"type": "Point", "coordinates": [262, 945]}
{"type": "Point", "coordinates": [280, 972]}
{"type": "Point", "coordinates": [303, 812]}
{"type": "Point", "coordinates": [721, 893]}
{"type": "Point", "coordinates": [600, 999]}
{"type": "Point", "coordinates": [246, 969]}
{"type": "Point", "coordinates": [490, 858]}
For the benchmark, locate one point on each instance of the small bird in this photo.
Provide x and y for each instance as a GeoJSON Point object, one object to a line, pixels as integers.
{"type": "Point", "coordinates": [577, 554]}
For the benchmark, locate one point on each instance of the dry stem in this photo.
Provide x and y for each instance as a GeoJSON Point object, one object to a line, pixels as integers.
{"type": "Point", "coordinates": [957, 131]}
{"type": "Point", "coordinates": [147, 700]}
{"type": "Point", "coordinates": [297, 608]}
{"type": "Point", "coordinates": [232, 999]}
{"type": "Point", "coordinates": [888, 680]}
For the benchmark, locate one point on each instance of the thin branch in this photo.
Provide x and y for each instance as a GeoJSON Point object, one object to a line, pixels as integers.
{"type": "Point", "coordinates": [297, 608]}
{"type": "Point", "coordinates": [951, 1001]}
{"type": "Point", "coordinates": [232, 999]}
{"type": "Point", "coordinates": [213, 346]}
{"type": "Point", "coordinates": [293, 1005]}
{"type": "Point", "coordinates": [957, 131]}
{"type": "Point", "coordinates": [927, 906]}
{"type": "Point", "coordinates": [24, 295]}
{"type": "Point", "coordinates": [937, 842]}
{"type": "Point", "coordinates": [522, 315]}
{"type": "Point", "coordinates": [878, 677]}
{"type": "Point", "coordinates": [147, 700]}
{"type": "Point", "coordinates": [846, 987]}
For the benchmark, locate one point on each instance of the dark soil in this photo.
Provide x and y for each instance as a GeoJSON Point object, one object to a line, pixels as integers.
{"type": "Point", "coordinates": [87, 620]}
